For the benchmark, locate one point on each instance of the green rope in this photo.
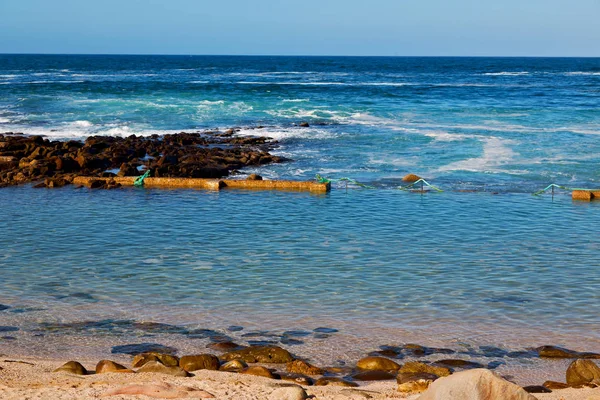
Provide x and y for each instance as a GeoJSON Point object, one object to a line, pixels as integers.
{"type": "Point", "coordinates": [139, 181]}
{"type": "Point", "coordinates": [423, 181]}
{"type": "Point", "coordinates": [321, 179]}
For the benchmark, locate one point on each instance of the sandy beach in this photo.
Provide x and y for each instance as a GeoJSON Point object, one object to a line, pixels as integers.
{"type": "Point", "coordinates": [33, 379]}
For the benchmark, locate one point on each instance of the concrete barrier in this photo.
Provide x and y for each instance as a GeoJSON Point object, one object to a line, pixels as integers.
{"type": "Point", "coordinates": [212, 184]}
{"type": "Point", "coordinates": [586, 195]}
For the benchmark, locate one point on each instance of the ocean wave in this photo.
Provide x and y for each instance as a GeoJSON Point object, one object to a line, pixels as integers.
{"type": "Point", "coordinates": [582, 73]}
{"type": "Point", "coordinates": [4, 120]}
{"type": "Point", "coordinates": [496, 154]}
{"type": "Point", "coordinates": [294, 100]}
{"type": "Point", "coordinates": [283, 134]}
{"type": "Point", "coordinates": [507, 73]}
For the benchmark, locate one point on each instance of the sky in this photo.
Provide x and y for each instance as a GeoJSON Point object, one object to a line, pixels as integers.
{"type": "Point", "coordinates": [307, 27]}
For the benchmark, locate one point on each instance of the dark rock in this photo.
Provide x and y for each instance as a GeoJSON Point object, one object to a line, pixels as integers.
{"type": "Point", "coordinates": [166, 359]}
{"type": "Point", "coordinates": [128, 170]}
{"type": "Point", "coordinates": [254, 177]}
{"type": "Point", "coordinates": [8, 329]}
{"type": "Point", "coordinates": [325, 330]}
{"type": "Point", "coordinates": [200, 361]}
{"type": "Point", "coordinates": [304, 124]}
{"type": "Point", "coordinates": [235, 328]}
{"type": "Point", "coordinates": [552, 385]}
{"type": "Point", "coordinates": [137, 348]}
{"type": "Point", "coordinates": [4, 307]}
{"type": "Point", "coordinates": [536, 389]}
{"type": "Point", "coordinates": [373, 376]}
{"type": "Point", "coordinates": [455, 363]}
{"type": "Point", "coordinates": [266, 354]}
{"type": "Point", "coordinates": [559, 352]}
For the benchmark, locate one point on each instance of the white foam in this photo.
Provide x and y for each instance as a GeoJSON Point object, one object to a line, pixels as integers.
{"type": "Point", "coordinates": [82, 124]}
{"type": "Point", "coordinates": [582, 73]}
{"type": "Point", "coordinates": [4, 120]}
{"type": "Point", "coordinates": [282, 134]}
{"type": "Point", "coordinates": [210, 103]}
{"type": "Point", "coordinates": [294, 100]}
{"type": "Point", "coordinates": [507, 73]}
{"type": "Point", "coordinates": [496, 153]}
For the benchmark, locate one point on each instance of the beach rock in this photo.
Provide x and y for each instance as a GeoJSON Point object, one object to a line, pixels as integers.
{"type": "Point", "coordinates": [583, 373]}
{"type": "Point", "coordinates": [296, 378]}
{"type": "Point", "coordinates": [258, 371]}
{"type": "Point", "coordinates": [289, 393]}
{"type": "Point", "coordinates": [304, 124]}
{"type": "Point", "coordinates": [260, 354]}
{"type": "Point", "coordinates": [160, 368]}
{"type": "Point", "coordinates": [128, 170]}
{"type": "Point", "coordinates": [333, 381]}
{"type": "Point", "coordinates": [377, 363]}
{"type": "Point", "coordinates": [455, 363]}
{"type": "Point", "coordinates": [552, 385]}
{"type": "Point", "coordinates": [224, 346]}
{"type": "Point", "coordinates": [404, 377]}
{"type": "Point", "coordinates": [536, 389]}
{"type": "Point", "coordinates": [414, 387]}
{"type": "Point", "coordinates": [415, 367]}
{"type": "Point", "coordinates": [559, 352]}
{"type": "Point", "coordinates": [106, 366]}
{"type": "Point", "coordinates": [159, 390]}
{"type": "Point", "coordinates": [254, 177]}
{"type": "Point", "coordinates": [475, 384]}
{"type": "Point", "coordinates": [373, 375]}
{"type": "Point", "coordinates": [233, 366]}
{"type": "Point", "coordinates": [200, 361]}
{"type": "Point", "coordinates": [139, 348]}
{"type": "Point", "coordinates": [166, 359]}
{"type": "Point", "coordinates": [72, 367]}
{"type": "Point", "coordinates": [410, 178]}
{"type": "Point", "coordinates": [302, 367]}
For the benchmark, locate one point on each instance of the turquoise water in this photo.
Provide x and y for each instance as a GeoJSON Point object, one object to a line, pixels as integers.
{"type": "Point", "coordinates": [495, 267]}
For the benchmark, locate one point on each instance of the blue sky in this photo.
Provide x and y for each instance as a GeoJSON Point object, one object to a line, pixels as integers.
{"type": "Point", "coordinates": [308, 27]}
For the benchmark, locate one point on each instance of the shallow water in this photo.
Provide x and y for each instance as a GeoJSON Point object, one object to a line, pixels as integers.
{"type": "Point", "coordinates": [459, 270]}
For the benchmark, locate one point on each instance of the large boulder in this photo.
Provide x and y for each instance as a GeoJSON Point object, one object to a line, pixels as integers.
{"type": "Point", "coordinates": [377, 363]}
{"type": "Point", "coordinates": [260, 354]}
{"type": "Point", "coordinates": [475, 384]}
{"type": "Point", "coordinates": [583, 373]}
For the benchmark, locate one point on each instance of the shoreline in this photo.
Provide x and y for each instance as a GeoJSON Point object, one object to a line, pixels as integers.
{"type": "Point", "coordinates": [29, 377]}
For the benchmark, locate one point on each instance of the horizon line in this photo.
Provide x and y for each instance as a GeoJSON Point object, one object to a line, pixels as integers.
{"type": "Point", "coordinates": [288, 55]}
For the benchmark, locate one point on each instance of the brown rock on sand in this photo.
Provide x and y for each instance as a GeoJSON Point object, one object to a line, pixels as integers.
{"type": "Point", "coordinates": [415, 367]}
{"type": "Point", "coordinates": [377, 363]}
{"type": "Point", "coordinates": [302, 367]}
{"type": "Point", "coordinates": [583, 372]}
{"type": "Point", "coordinates": [160, 390]}
{"type": "Point", "coordinates": [260, 354]}
{"type": "Point", "coordinates": [289, 393]}
{"type": "Point", "coordinates": [157, 367]}
{"type": "Point", "coordinates": [200, 361]}
{"type": "Point", "coordinates": [166, 359]}
{"type": "Point", "coordinates": [106, 366]}
{"type": "Point", "coordinates": [72, 367]}
{"type": "Point", "coordinates": [475, 384]}
{"type": "Point", "coordinates": [258, 371]}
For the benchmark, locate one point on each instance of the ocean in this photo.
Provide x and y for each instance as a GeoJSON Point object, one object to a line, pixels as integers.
{"type": "Point", "coordinates": [482, 265]}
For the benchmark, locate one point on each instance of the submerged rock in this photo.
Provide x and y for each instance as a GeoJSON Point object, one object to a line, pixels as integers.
{"type": "Point", "coordinates": [559, 352]}
{"type": "Point", "coordinates": [137, 348]}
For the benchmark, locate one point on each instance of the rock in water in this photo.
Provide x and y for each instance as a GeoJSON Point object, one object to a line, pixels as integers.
{"type": "Point", "coordinates": [288, 393]}
{"type": "Point", "coordinates": [200, 361]}
{"type": "Point", "coordinates": [72, 367]}
{"type": "Point", "coordinates": [583, 372]}
{"type": "Point", "coordinates": [475, 384]}
{"type": "Point", "coordinates": [559, 352]}
{"type": "Point", "coordinates": [377, 363]}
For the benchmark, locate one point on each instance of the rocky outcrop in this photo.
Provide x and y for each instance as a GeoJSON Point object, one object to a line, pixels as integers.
{"type": "Point", "coordinates": [207, 154]}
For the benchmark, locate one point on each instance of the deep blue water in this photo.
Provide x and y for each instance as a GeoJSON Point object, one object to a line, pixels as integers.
{"type": "Point", "coordinates": [381, 266]}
